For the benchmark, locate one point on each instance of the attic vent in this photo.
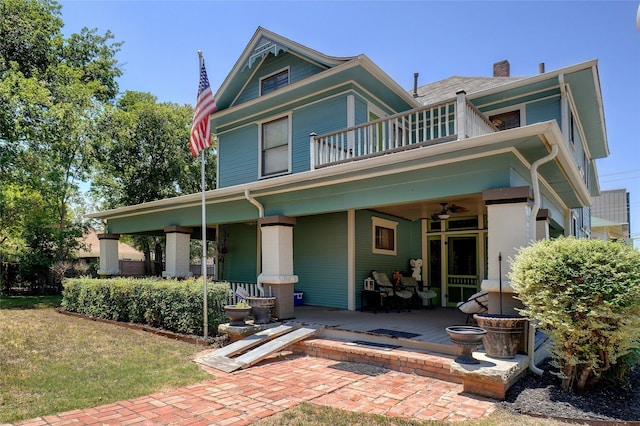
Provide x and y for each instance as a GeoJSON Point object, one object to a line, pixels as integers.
{"type": "Point", "coordinates": [264, 49]}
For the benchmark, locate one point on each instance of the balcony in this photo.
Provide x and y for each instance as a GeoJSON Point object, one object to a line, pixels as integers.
{"type": "Point", "coordinates": [454, 119]}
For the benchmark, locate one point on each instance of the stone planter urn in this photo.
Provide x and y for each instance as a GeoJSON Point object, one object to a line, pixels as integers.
{"type": "Point", "coordinates": [467, 338]}
{"type": "Point", "coordinates": [237, 314]}
{"type": "Point", "coordinates": [261, 308]}
{"type": "Point", "coordinates": [504, 334]}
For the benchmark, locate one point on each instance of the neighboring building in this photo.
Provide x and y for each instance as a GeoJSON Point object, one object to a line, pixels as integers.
{"type": "Point", "coordinates": [610, 213]}
{"type": "Point", "coordinates": [328, 169]}
{"type": "Point", "coordinates": [91, 249]}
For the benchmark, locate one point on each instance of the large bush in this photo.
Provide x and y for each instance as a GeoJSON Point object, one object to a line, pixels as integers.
{"type": "Point", "coordinates": [171, 305]}
{"type": "Point", "coordinates": [586, 296]}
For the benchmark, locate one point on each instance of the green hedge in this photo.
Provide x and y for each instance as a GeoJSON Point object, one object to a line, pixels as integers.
{"type": "Point", "coordinates": [168, 304]}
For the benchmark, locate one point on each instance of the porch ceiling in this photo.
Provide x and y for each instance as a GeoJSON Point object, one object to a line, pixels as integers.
{"type": "Point", "coordinates": [472, 205]}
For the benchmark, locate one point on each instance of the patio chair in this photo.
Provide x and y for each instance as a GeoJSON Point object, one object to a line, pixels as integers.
{"type": "Point", "coordinates": [476, 304]}
{"type": "Point", "coordinates": [395, 295]}
{"type": "Point", "coordinates": [424, 296]}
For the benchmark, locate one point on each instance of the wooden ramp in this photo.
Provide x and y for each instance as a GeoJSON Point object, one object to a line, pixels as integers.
{"type": "Point", "coordinates": [255, 347]}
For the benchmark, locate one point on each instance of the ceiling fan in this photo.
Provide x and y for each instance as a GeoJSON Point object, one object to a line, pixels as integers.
{"type": "Point", "coordinates": [446, 209]}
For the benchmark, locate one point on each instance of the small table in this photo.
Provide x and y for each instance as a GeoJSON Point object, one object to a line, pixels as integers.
{"type": "Point", "coordinates": [372, 300]}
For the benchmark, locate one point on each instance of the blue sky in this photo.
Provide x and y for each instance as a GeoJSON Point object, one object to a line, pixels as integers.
{"type": "Point", "coordinates": [436, 39]}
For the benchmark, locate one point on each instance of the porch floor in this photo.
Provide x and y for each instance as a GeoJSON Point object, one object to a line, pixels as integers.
{"type": "Point", "coordinates": [428, 325]}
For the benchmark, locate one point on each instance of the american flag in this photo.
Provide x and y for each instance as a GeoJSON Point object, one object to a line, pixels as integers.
{"type": "Point", "coordinates": [205, 105]}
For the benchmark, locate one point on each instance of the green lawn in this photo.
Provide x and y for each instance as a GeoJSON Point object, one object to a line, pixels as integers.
{"type": "Point", "coordinates": [314, 415]}
{"type": "Point", "coordinates": [51, 362]}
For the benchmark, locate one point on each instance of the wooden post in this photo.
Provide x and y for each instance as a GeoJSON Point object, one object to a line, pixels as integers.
{"type": "Point", "coordinates": [312, 150]}
{"type": "Point", "coordinates": [461, 114]}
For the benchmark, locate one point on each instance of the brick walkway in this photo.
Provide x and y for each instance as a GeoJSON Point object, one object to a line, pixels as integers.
{"type": "Point", "coordinates": [246, 396]}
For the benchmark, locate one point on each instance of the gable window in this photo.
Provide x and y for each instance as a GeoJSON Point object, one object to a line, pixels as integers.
{"type": "Point", "coordinates": [274, 82]}
{"type": "Point", "coordinates": [506, 120]}
{"type": "Point", "coordinates": [384, 236]}
{"type": "Point", "coordinates": [275, 147]}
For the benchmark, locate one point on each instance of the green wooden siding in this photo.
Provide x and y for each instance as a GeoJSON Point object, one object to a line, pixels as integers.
{"type": "Point", "coordinates": [298, 69]}
{"type": "Point", "coordinates": [361, 114]}
{"type": "Point", "coordinates": [241, 258]}
{"type": "Point", "coordinates": [408, 240]}
{"type": "Point", "coordinates": [238, 156]}
{"type": "Point", "coordinates": [544, 110]}
{"type": "Point", "coordinates": [322, 117]}
{"type": "Point", "coordinates": [320, 259]}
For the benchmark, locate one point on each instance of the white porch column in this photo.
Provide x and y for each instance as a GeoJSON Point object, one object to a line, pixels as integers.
{"type": "Point", "coordinates": [277, 263]}
{"type": "Point", "coordinates": [178, 252]}
{"type": "Point", "coordinates": [508, 218]}
{"type": "Point", "coordinates": [542, 224]}
{"type": "Point", "coordinates": [109, 264]}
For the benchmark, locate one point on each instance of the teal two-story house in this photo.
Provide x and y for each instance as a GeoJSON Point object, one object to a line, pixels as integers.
{"type": "Point", "coordinates": [328, 169]}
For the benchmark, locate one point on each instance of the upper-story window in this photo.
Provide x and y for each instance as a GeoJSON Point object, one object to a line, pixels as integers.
{"type": "Point", "coordinates": [274, 147]}
{"type": "Point", "coordinates": [506, 120]}
{"type": "Point", "coordinates": [274, 82]}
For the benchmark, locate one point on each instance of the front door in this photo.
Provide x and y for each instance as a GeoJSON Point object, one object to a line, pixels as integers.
{"type": "Point", "coordinates": [462, 268]}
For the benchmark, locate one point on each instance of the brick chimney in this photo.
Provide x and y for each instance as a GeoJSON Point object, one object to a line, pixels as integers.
{"type": "Point", "coordinates": [502, 69]}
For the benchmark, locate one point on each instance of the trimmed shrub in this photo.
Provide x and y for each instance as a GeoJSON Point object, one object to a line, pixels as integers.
{"type": "Point", "coordinates": [171, 305]}
{"type": "Point", "coordinates": [586, 296]}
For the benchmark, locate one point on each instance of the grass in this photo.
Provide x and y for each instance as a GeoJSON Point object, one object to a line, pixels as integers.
{"type": "Point", "coordinates": [51, 362]}
{"type": "Point", "coordinates": [308, 414]}
{"type": "Point", "coordinates": [29, 302]}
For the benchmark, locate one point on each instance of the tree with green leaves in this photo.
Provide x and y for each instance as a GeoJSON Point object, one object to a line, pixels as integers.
{"type": "Point", "coordinates": [53, 92]}
{"type": "Point", "coordinates": [144, 156]}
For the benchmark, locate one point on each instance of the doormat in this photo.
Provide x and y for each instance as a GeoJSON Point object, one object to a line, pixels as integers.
{"type": "Point", "coordinates": [393, 333]}
{"type": "Point", "coordinates": [373, 345]}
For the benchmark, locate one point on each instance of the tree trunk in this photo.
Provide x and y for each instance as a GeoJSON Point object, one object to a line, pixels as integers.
{"type": "Point", "coordinates": [146, 249]}
{"type": "Point", "coordinates": [158, 255]}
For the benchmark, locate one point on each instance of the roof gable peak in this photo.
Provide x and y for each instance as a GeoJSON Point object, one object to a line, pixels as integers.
{"type": "Point", "coordinates": [264, 42]}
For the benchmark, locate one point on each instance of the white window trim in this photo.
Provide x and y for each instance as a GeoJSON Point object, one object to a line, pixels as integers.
{"type": "Point", "coordinates": [288, 116]}
{"type": "Point", "coordinates": [287, 69]}
{"type": "Point", "coordinates": [384, 223]}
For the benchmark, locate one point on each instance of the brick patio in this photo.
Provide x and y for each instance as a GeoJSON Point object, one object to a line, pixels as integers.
{"type": "Point", "coordinates": [279, 383]}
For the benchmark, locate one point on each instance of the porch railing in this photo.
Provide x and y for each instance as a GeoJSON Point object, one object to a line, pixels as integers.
{"type": "Point", "coordinates": [453, 119]}
{"type": "Point", "coordinates": [251, 287]}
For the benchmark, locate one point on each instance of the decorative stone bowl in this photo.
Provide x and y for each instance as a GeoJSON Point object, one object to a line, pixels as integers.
{"type": "Point", "coordinates": [237, 315]}
{"type": "Point", "coordinates": [261, 308]}
{"type": "Point", "coordinates": [468, 339]}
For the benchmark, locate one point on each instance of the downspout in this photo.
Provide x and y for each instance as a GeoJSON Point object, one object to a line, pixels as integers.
{"type": "Point", "coordinates": [532, 228]}
{"type": "Point", "coordinates": [253, 201]}
{"type": "Point", "coordinates": [260, 207]}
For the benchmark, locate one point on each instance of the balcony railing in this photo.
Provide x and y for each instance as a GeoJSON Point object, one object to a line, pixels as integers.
{"type": "Point", "coordinates": [446, 121]}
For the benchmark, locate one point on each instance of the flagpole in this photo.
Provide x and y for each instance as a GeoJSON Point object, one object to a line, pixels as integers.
{"type": "Point", "coordinates": [204, 232]}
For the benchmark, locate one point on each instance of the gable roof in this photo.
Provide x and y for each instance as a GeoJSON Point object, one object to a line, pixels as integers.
{"type": "Point", "coordinates": [262, 43]}
{"type": "Point", "coordinates": [582, 80]}
{"type": "Point", "coordinates": [446, 89]}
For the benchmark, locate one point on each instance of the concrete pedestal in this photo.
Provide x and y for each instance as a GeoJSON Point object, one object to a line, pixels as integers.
{"type": "Point", "coordinates": [277, 263]}
{"type": "Point", "coordinates": [109, 263]}
{"type": "Point", "coordinates": [283, 293]}
{"type": "Point", "coordinates": [178, 240]}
